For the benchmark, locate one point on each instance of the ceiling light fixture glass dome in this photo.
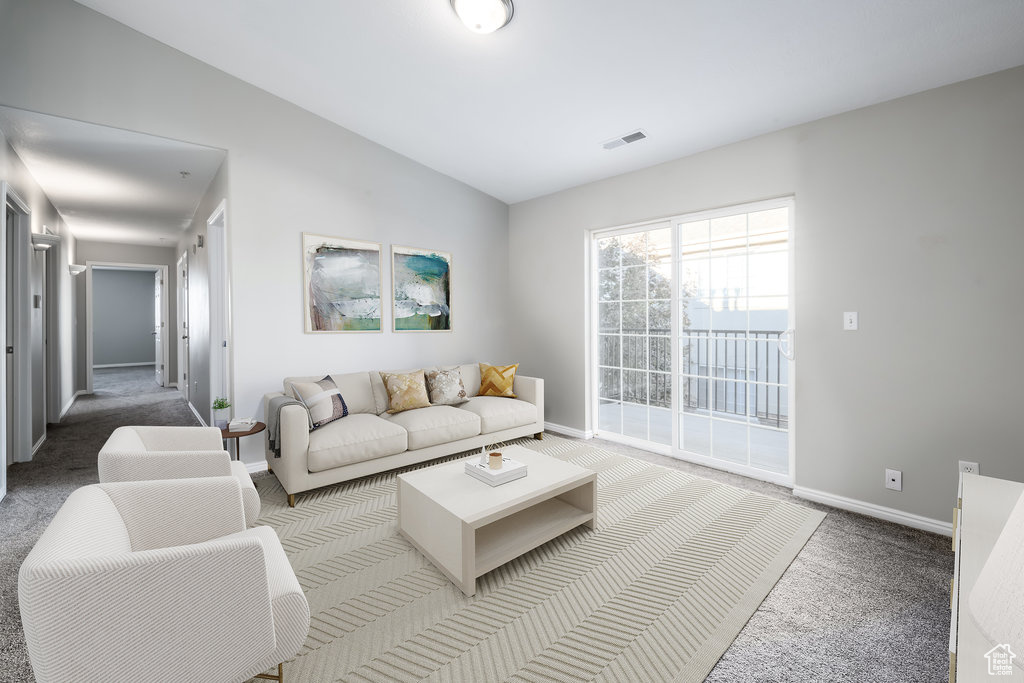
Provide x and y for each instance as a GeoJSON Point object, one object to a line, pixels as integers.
{"type": "Point", "coordinates": [483, 16]}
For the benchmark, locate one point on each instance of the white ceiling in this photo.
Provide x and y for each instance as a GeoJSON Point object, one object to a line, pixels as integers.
{"type": "Point", "coordinates": [524, 111]}
{"type": "Point", "coordinates": [112, 185]}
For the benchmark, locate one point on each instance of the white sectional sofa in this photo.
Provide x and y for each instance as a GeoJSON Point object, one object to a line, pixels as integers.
{"type": "Point", "coordinates": [369, 440]}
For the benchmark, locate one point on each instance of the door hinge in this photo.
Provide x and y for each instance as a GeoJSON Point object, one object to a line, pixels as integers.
{"type": "Point", "coordinates": [10, 349]}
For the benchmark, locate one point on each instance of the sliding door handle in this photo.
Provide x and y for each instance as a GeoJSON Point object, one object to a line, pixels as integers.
{"type": "Point", "coordinates": [787, 347]}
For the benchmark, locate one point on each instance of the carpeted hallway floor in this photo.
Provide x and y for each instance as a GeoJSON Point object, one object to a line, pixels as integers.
{"type": "Point", "coordinates": [865, 600]}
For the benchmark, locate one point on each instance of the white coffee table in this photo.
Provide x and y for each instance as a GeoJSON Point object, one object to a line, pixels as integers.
{"type": "Point", "coordinates": [467, 528]}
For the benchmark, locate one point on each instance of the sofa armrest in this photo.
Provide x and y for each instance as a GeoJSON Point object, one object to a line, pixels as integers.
{"type": "Point", "coordinates": [160, 514]}
{"type": "Point", "coordinates": [181, 438]}
{"type": "Point", "coordinates": [200, 611]}
{"type": "Point", "coordinates": [294, 426]}
{"type": "Point", "coordinates": [531, 390]}
{"type": "Point", "coordinates": [152, 465]}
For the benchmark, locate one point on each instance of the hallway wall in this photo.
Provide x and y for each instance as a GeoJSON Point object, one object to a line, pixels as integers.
{"type": "Point", "coordinates": [45, 217]}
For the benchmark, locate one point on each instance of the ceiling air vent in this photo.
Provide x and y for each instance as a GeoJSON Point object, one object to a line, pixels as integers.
{"type": "Point", "coordinates": [635, 136]}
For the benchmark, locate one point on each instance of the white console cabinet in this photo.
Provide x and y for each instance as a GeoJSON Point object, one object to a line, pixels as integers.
{"type": "Point", "coordinates": [983, 506]}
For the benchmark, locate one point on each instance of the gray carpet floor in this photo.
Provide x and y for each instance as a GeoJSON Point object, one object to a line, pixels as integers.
{"type": "Point", "coordinates": [865, 600]}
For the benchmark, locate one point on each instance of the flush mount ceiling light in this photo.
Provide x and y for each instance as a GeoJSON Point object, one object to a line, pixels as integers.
{"type": "Point", "coordinates": [483, 16]}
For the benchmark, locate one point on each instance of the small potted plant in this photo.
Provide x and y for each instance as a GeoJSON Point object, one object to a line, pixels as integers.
{"type": "Point", "coordinates": [220, 412]}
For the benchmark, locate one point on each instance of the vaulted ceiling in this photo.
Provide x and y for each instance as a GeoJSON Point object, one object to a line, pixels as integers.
{"type": "Point", "coordinates": [524, 111]}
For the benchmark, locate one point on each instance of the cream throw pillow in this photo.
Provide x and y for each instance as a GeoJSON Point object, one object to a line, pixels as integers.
{"type": "Point", "coordinates": [496, 380]}
{"type": "Point", "coordinates": [405, 391]}
{"type": "Point", "coordinates": [446, 387]}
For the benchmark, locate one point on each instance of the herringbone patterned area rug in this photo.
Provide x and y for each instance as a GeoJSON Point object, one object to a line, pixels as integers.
{"type": "Point", "coordinates": [657, 592]}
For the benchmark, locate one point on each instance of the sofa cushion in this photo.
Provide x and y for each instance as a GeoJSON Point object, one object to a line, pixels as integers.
{"type": "Point", "coordinates": [356, 387]}
{"type": "Point", "coordinates": [471, 378]}
{"type": "Point", "coordinates": [436, 424]}
{"type": "Point", "coordinates": [353, 439]}
{"type": "Point", "coordinates": [500, 413]}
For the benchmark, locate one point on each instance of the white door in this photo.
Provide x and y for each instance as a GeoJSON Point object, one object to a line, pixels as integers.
{"type": "Point", "coordinates": [183, 369]}
{"type": "Point", "coordinates": [158, 324]}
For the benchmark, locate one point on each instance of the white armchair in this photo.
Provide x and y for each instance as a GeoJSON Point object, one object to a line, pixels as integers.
{"type": "Point", "coordinates": [159, 580]}
{"type": "Point", "coordinates": [151, 453]}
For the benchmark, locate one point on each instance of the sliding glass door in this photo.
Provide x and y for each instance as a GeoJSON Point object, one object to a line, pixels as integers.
{"type": "Point", "coordinates": [634, 341]}
{"type": "Point", "coordinates": [693, 337]}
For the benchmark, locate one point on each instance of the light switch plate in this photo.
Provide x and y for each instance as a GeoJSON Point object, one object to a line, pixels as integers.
{"type": "Point", "coordinates": [850, 321]}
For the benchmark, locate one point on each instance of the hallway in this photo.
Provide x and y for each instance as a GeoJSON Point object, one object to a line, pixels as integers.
{"type": "Point", "coordinates": [66, 461]}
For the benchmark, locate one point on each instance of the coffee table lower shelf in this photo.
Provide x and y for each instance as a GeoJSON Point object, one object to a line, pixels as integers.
{"type": "Point", "coordinates": [506, 539]}
{"type": "Point", "coordinates": [465, 550]}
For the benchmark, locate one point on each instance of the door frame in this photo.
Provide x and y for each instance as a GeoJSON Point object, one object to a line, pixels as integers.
{"type": "Point", "coordinates": [20, 431]}
{"type": "Point", "coordinates": [221, 342]}
{"type": "Point", "coordinates": [109, 265]}
{"type": "Point", "coordinates": [181, 329]}
{"type": "Point", "coordinates": [591, 386]}
{"type": "Point", "coordinates": [51, 328]}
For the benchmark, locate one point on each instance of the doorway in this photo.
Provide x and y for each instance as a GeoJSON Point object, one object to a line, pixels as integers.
{"type": "Point", "coordinates": [126, 312]}
{"type": "Point", "coordinates": [691, 341]}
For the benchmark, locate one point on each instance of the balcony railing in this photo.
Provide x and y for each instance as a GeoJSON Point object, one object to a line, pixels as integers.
{"type": "Point", "coordinates": [736, 372]}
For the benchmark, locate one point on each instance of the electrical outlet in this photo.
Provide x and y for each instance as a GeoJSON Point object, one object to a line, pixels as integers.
{"type": "Point", "coordinates": [894, 480]}
{"type": "Point", "coordinates": [969, 467]}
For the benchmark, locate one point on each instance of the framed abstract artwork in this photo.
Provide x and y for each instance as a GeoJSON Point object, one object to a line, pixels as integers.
{"type": "Point", "coordinates": [421, 290]}
{"type": "Point", "coordinates": [342, 284]}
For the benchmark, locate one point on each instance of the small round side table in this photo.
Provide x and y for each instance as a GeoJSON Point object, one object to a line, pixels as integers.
{"type": "Point", "coordinates": [225, 434]}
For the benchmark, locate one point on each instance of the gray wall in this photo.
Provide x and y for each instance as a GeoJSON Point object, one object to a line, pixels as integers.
{"type": "Point", "coordinates": [290, 172]}
{"type": "Point", "coordinates": [908, 212]}
{"type": "Point", "coordinates": [43, 214]}
{"type": "Point", "coordinates": [122, 317]}
{"type": "Point", "coordinates": [106, 252]}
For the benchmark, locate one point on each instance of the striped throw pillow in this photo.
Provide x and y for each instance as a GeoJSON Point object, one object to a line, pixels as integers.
{"type": "Point", "coordinates": [322, 399]}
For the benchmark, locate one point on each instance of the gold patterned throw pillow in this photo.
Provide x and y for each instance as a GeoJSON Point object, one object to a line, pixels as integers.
{"type": "Point", "coordinates": [446, 387]}
{"type": "Point", "coordinates": [405, 391]}
{"type": "Point", "coordinates": [496, 380]}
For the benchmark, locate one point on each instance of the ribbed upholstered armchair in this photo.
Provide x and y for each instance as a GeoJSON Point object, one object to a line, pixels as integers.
{"type": "Point", "coordinates": [147, 453]}
{"type": "Point", "coordinates": [159, 581]}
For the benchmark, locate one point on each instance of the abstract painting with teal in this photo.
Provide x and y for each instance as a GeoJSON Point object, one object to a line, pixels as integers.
{"type": "Point", "coordinates": [422, 280]}
{"type": "Point", "coordinates": [342, 284]}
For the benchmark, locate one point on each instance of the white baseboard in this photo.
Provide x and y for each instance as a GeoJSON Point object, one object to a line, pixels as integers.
{"type": "Point", "coordinates": [71, 402]}
{"type": "Point", "coordinates": [871, 510]}
{"type": "Point", "coordinates": [255, 467]}
{"type": "Point", "coordinates": [38, 444]}
{"type": "Point", "coordinates": [171, 385]}
{"type": "Point", "coordinates": [122, 365]}
{"type": "Point", "coordinates": [568, 431]}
